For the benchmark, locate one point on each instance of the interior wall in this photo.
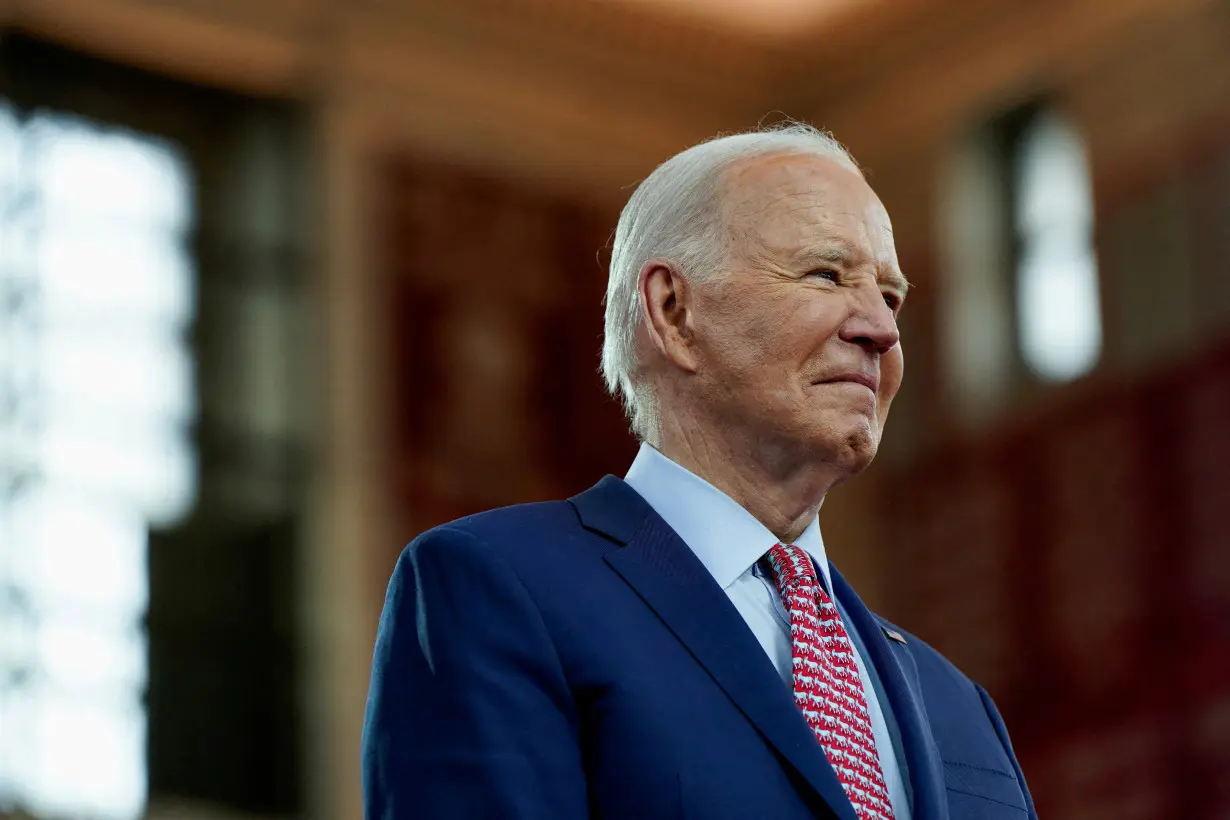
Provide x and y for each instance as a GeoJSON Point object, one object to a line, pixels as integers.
{"type": "Point", "coordinates": [1153, 105]}
{"type": "Point", "coordinates": [581, 104]}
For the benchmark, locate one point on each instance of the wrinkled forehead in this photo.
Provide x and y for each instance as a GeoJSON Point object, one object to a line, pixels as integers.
{"type": "Point", "coordinates": [782, 204]}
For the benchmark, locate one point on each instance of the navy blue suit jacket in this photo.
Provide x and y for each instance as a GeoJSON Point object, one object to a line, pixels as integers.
{"type": "Point", "coordinates": [574, 659]}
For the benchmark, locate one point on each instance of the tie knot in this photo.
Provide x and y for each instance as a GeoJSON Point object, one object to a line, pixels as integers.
{"type": "Point", "coordinates": [791, 565]}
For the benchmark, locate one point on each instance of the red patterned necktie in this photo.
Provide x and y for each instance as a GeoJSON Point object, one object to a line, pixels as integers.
{"type": "Point", "coordinates": [826, 683]}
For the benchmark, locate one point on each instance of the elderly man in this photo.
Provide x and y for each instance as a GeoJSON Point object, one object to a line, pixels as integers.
{"type": "Point", "coordinates": [675, 644]}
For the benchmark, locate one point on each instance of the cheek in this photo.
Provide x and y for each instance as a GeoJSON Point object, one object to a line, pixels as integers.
{"type": "Point", "coordinates": [805, 332]}
{"type": "Point", "coordinates": [744, 335]}
{"type": "Point", "coordinates": [892, 370]}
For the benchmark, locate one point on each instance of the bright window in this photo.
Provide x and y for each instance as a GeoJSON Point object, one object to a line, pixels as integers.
{"type": "Point", "coordinates": [96, 399]}
{"type": "Point", "coordinates": [1058, 311]}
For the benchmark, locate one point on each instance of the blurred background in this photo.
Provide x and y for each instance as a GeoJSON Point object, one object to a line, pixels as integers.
{"type": "Point", "coordinates": [285, 282]}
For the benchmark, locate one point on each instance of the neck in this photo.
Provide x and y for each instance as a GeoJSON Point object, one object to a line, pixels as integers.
{"type": "Point", "coordinates": [781, 490]}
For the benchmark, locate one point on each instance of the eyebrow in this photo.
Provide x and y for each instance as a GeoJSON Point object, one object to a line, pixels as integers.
{"type": "Point", "coordinates": [840, 254]}
{"type": "Point", "coordinates": [896, 280]}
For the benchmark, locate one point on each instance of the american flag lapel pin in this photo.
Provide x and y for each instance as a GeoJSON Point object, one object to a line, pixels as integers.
{"type": "Point", "coordinates": [894, 635]}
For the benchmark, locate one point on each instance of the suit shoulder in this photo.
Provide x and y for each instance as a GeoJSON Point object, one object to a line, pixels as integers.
{"type": "Point", "coordinates": [519, 534]}
{"type": "Point", "coordinates": [515, 523]}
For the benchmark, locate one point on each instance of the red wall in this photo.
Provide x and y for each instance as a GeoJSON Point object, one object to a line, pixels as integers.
{"type": "Point", "coordinates": [497, 332]}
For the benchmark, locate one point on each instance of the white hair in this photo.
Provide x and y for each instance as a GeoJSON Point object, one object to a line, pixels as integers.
{"type": "Point", "coordinates": [675, 214]}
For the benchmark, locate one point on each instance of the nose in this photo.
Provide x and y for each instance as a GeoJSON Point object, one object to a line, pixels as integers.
{"type": "Point", "coordinates": [871, 324]}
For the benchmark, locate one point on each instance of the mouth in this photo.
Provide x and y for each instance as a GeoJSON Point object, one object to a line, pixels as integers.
{"type": "Point", "coordinates": [872, 383]}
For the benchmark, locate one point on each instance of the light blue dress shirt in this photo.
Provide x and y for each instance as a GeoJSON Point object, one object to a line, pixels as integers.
{"type": "Point", "coordinates": [730, 542]}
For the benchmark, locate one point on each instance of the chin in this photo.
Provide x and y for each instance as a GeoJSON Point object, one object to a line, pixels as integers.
{"type": "Point", "coordinates": [861, 448]}
{"type": "Point", "coordinates": [841, 439]}
{"type": "Point", "coordinates": [852, 448]}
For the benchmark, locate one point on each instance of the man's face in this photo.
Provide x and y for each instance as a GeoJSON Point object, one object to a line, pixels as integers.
{"type": "Point", "coordinates": [797, 339]}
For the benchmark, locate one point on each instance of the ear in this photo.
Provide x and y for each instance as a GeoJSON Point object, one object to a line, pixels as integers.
{"type": "Point", "coordinates": [667, 311]}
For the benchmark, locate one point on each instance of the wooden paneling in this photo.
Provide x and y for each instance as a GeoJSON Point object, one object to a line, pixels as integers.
{"type": "Point", "coordinates": [497, 329]}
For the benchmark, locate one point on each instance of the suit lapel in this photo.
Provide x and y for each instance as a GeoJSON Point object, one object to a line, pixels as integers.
{"type": "Point", "coordinates": [899, 677]}
{"type": "Point", "coordinates": [665, 573]}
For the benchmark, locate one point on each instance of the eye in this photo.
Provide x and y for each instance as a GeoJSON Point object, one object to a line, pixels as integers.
{"type": "Point", "coordinates": [893, 301]}
{"type": "Point", "coordinates": [823, 273]}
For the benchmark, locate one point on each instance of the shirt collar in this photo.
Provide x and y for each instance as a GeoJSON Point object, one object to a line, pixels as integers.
{"type": "Point", "coordinates": [726, 538]}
